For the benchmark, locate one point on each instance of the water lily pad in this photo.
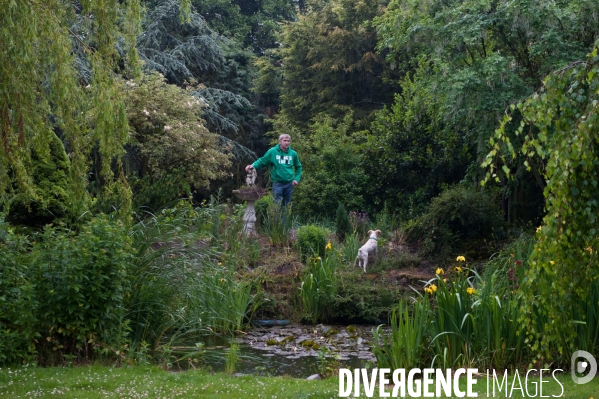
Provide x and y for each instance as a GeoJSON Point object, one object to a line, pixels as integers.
{"type": "Point", "coordinates": [331, 331]}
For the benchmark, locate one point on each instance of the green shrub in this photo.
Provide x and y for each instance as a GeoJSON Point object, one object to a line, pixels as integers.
{"type": "Point", "coordinates": [312, 241]}
{"type": "Point", "coordinates": [342, 223]}
{"type": "Point", "coordinates": [50, 198]}
{"type": "Point", "coordinates": [18, 304]}
{"type": "Point", "coordinates": [154, 194]}
{"type": "Point", "coordinates": [81, 283]}
{"type": "Point", "coordinates": [455, 219]}
{"type": "Point", "coordinates": [261, 206]}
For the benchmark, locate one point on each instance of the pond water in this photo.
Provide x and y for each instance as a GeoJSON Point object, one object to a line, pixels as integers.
{"type": "Point", "coordinates": [293, 350]}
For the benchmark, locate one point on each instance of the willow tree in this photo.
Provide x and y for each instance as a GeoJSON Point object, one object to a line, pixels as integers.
{"type": "Point", "coordinates": [44, 48]}
{"type": "Point", "coordinates": [560, 126]}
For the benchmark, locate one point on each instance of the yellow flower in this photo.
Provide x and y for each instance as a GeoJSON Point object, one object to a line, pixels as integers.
{"type": "Point", "coordinates": [458, 269]}
{"type": "Point", "coordinates": [470, 290]}
{"type": "Point", "coordinates": [460, 259]}
{"type": "Point", "coordinates": [429, 290]}
{"type": "Point", "coordinates": [434, 288]}
{"type": "Point", "coordinates": [539, 228]}
{"type": "Point", "coordinates": [552, 262]}
{"type": "Point", "coordinates": [439, 271]}
{"type": "Point", "coordinates": [589, 249]}
{"type": "Point", "coordinates": [444, 280]}
{"type": "Point", "coordinates": [329, 246]}
{"type": "Point", "coordinates": [220, 263]}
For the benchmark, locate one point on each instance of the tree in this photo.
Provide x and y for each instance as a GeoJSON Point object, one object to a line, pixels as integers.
{"type": "Point", "coordinates": [330, 64]}
{"type": "Point", "coordinates": [168, 135]}
{"type": "Point", "coordinates": [475, 57]}
{"type": "Point", "coordinates": [330, 154]}
{"type": "Point", "coordinates": [560, 126]}
{"type": "Point", "coordinates": [50, 200]}
{"type": "Point", "coordinates": [410, 155]}
{"type": "Point", "coordinates": [42, 91]}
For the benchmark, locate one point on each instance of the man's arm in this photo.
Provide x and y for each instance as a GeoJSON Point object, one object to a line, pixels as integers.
{"type": "Point", "coordinates": [298, 171]}
{"type": "Point", "coordinates": [260, 162]}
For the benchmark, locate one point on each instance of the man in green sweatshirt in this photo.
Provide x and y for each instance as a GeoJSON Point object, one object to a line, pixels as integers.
{"type": "Point", "coordinates": [285, 169]}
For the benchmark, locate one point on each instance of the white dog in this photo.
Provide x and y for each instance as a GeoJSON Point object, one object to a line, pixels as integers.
{"type": "Point", "coordinates": [369, 247]}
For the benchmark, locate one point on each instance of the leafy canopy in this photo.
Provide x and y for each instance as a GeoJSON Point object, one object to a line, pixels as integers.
{"type": "Point", "coordinates": [560, 126]}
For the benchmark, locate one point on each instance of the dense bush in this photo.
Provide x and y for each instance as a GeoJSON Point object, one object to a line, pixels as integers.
{"type": "Point", "coordinates": [18, 305]}
{"type": "Point", "coordinates": [311, 240]}
{"type": "Point", "coordinates": [343, 225]}
{"type": "Point", "coordinates": [154, 194]}
{"type": "Point", "coordinates": [333, 169]}
{"type": "Point", "coordinates": [63, 294]}
{"type": "Point", "coordinates": [455, 218]}
{"type": "Point", "coordinates": [261, 207]}
{"type": "Point", "coordinates": [50, 198]}
{"type": "Point", "coordinates": [81, 283]}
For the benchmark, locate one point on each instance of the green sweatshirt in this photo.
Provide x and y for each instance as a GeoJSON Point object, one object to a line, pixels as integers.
{"type": "Point", "coordinates": [285, 167]}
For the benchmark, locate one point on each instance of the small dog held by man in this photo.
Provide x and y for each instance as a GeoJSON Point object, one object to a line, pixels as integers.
{"type": "Point", "coordinates": [370, 247]}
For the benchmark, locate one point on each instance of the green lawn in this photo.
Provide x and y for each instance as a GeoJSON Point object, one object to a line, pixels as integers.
{"type": "Point", "coordinates": [151, 382]}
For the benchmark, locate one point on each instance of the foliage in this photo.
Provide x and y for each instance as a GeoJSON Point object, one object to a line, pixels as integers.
{"type": "Point", "coordinates": [311, 241]}
{"type": "Point", "coordinates": [459, 215]}
{"type": "Point", "coordinates": [465, 61]}
{"type": "Point", "coordinates": [409, 155]}
{"type": "Point", "coordinates": [342, 223]}
{"type": "Point", "coordinates": [277, 221]}
{"type": "Point", "coordinates": [333, 168]}
{"type": "Point", "coordinates": [319, 286]}
{"type": "Point", "coordinates": [49, 198]}
{"type": "Point", "coordinates": [261, 206]}
{"type": "Point", "coordinates": [18, 304]}
{"type": "Point", "coordinates": [42, 91]}
{"type": "Point", "coordinates": [462, 320]}
{"type": "Point", "coordinates": [253, 23]}
{"type": "Point", "coordinates": [350, 247]}
{"type": "Point", "coordinates": [330, 63]}
{"type": "Point", "coordinates": [191, 50]}
{"type": "Point", "coordinates": [328, 363]}
{"type": "Point", "coordinates": [153, 195]}
{"type": "Point", "coordinates": [405, 346]}
{"type": "Point", "coordinates": [559, 127]}
{"type": "Point", "coordinates": [168, 134]}
{"type": "Point", "coordinates": [181, 290]}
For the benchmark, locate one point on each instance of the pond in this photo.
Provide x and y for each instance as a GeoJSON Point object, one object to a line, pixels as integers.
{"type": "Point", "coordinates": [293, 350]}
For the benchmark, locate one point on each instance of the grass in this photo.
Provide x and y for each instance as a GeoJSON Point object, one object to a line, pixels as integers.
{"type": "Point", "coordinates": [152, 382]}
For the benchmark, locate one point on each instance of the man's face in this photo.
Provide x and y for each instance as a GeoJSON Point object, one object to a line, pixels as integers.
{"type": "Point", "coordinates": [284, 143]}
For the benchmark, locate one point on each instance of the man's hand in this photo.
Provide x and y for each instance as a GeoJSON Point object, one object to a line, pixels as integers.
{"type": "Point", "coordinates": [248, 168]}
{"type": "Point", "coordinates": [294, 183]}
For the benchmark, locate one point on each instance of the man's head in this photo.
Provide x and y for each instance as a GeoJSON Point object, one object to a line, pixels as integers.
{"type": "Point", "coordinates": [284, 141]}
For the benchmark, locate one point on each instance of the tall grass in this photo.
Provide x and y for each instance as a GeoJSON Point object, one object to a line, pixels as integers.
{"type": "Point", "coordinates": [277, 222]}
{"type": "Point", "coordinates": [220, 302]}
{"type": "Point", "coordinates": [407, 343]}
{"type": "Point", "coordinates": [454, 325]}
{"type": "Point", "coordinates": [180, 289]}
{"type": "Point", "coordinates": [350, 249]}
{"type": "Point", "coordinates": [318, 287]}
{"type": "Point", "coordinates": [460, 321]}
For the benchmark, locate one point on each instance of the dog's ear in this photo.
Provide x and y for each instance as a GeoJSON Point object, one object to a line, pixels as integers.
{"type": "Point", "coordinates": [378, 232]}
{"type": "Point", "coordinates": [369, 231]}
